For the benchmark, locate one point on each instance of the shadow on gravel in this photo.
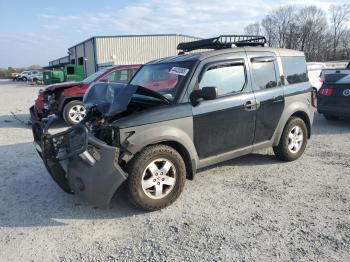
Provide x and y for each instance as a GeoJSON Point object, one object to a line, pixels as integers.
{"type": "Point", "coordinates": [17, 121]}
{"type": "Point", "coordinates": [30, 198]}
{"type": "Point", "coordinates": [323, 126]}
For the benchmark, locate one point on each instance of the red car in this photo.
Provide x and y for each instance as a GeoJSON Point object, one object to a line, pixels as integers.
{"type": "Point", "coordinates": [65, 99]}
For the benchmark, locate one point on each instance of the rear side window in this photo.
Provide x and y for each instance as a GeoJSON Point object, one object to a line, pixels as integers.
{"type": "Point", "coordinates": [228, 78]}
{"type": "Point", "coordinates": [118, 76]}
{"type": "Point", "coordinates": [294, 69]}
{"type": "Point", "coordinates": [264, 74]}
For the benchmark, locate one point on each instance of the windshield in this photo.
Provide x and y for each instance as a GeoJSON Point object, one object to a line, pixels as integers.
{"type": "Point", "coordinates": [92, 77]}
{"type": "Point", "coordinates": [166, 79]}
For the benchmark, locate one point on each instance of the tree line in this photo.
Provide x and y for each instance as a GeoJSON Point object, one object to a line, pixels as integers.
{"type": "Point", "coordinates": [322, 36]}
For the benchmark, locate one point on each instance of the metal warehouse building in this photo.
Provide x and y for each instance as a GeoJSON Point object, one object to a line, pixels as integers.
{"type": "Point", "coordinates": [101, 51]}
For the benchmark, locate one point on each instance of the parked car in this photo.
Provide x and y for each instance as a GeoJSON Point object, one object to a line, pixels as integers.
{"type": "Point", "coordinates": [314, 70]}
{"type": "Point", "coordinates": [24, 76]}
{"type": "Point", "coordinates": [36, 78]}
{"type": "Point", "coordinates": [65, 99]}
{"type": "Point", "coordinates": [334, 96]}
{"type": "Point", "coordinates": [179, 114]}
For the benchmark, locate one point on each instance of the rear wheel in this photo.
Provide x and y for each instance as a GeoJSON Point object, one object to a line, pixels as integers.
{"type": "Point", "coordinates": [156, 177]}
{"type": "Point", "coordinates": [293, 140]}
{"type": "Point", "coordinates": [330, 117]}
{"type": "Point", "coordinates": [74, 112]}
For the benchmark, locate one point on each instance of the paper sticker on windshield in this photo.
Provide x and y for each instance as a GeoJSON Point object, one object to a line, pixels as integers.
{"type": "Point", "coordinates": [179, 71]}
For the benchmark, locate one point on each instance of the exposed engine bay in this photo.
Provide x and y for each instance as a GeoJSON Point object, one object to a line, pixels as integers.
{"type": "Point", "coordinates": [107, 103]}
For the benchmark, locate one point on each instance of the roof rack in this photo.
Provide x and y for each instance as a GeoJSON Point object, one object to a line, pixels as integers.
{"type": "Point", "coordinates": [223, 42]}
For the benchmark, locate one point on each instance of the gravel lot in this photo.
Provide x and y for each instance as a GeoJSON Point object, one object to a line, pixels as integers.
{"type": "Point", "coordinates": [253, 208]}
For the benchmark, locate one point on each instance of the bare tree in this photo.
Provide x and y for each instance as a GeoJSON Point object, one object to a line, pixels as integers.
{"type": "Point", "coordinates": [340, 15]}
{"type": "Point", "coordinates": [312, 26]}
{"type": "Point", "coordinates": [252, 29]}
{"type": "Point", "coordinates": [269, 31]}
{"type": "Point", "coordinates": [345, 42]}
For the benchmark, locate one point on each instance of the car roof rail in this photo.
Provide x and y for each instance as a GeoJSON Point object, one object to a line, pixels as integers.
{"type": "Point", "coordinates": [222, 42]}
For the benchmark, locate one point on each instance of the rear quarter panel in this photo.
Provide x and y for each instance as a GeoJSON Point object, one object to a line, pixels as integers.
{"type": "Point", "coordinates": [297, 100]}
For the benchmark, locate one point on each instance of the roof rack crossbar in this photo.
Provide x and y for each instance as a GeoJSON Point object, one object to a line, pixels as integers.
{"type": "Point", "coordinates": [223, 42]}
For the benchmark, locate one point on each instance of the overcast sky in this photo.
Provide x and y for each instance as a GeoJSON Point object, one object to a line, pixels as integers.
{"type": "Point", "coordinates": [34, 32]}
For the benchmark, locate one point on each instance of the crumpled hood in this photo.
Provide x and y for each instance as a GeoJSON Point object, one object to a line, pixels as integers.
{"type": "Point", "coordinates": [65, 85]}
{"type": "Point", "coordinates": [112, 99]}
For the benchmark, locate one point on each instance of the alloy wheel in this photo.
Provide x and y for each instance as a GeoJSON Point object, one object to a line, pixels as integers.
{"type": "Point", "coordinates": [159, 178]}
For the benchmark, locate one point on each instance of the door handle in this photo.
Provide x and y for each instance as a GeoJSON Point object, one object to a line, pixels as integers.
{"type": "Point", "coordinates": [251, 105]}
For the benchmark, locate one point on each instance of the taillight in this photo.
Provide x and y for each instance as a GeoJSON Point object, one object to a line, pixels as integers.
{"type": "Point", "coordinates": [313, 98]}
{"type": "Point", "coordinates": [326, 91]}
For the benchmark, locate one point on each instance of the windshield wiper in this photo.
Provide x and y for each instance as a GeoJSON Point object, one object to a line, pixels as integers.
{"type": "Point", "coordinates": [148, 92]}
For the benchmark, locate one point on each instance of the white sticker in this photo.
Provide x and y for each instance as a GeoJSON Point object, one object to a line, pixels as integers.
{"type": "Point", "coordinates": [179, 71]}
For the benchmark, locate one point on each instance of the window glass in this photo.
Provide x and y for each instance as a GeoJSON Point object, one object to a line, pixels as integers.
{"type": "Point", "coordinates": [294, 69]}
{"type": "Point", "coordinates": [166, 79]}
{"type": "Point", "coordinates": [226, 78]}
{"type": "Point", "coordinates": [332, 78]}
{"type": "Point", "coordinates": [264, 74]}
{"type": "Point", "coordinates": [118, 76]}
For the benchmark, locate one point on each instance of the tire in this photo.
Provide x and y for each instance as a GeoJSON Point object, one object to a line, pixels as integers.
{"type": "Point", "coordinates": [71, 107]}
{"type": "Point", "coordinates": [24, 78]}
{"type": "Point", "coordinates": [291, 145]}
{"type": "Point", "coordinates": [330, 117]}
{"type": "Point", "coordinates": [143, 194]}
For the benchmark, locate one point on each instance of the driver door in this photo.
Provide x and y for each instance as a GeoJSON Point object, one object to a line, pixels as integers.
{"type": "Point", "coordinates": [228, 122]}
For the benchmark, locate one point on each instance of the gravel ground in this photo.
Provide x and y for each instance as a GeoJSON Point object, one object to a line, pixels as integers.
{"type": "Point", "coordinates": [253, 208]}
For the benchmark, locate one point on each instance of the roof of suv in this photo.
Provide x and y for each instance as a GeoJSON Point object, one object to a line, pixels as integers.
{"type": "Point", "coordinates": [206, 54]}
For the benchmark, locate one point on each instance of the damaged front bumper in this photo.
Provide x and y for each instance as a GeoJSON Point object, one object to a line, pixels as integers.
{"type": "Point", "coordinates": [80, 163]}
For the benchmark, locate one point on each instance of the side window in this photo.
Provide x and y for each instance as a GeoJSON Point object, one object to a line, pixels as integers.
{"type": "Point", "coordinates": [264, 73]}
{"type": "Point", "coordinates": [294, 69]}
{"type": "Point", "coordinates": [118, 76]}
{"type": "Point", "coordinates": [227, 78]}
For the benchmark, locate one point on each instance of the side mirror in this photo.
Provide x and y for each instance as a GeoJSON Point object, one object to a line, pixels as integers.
{"type": "Point", "coordinates": [206, 93]}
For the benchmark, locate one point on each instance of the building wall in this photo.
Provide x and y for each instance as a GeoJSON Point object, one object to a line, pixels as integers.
{"type": "Point", "coordinates": [89, 55]}
{"type": "Point", "coordinates": [123, 50]}
{"type": "Point", "coordinates": [85, 52]}
{"type": "Point", "coordinates": [137, 49]}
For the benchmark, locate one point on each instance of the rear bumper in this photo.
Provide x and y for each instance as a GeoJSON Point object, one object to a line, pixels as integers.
{"type": "Point", "coordinates": [80, 163]}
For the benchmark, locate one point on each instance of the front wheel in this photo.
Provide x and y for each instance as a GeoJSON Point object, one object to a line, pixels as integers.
{"type": "Point", "coordinates": [156, 177]}
{"type": "Point", "coordinates": [73, 112]}
{"type": "Point", "coordinates": [293, 140]}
